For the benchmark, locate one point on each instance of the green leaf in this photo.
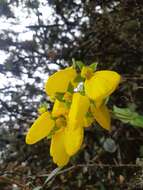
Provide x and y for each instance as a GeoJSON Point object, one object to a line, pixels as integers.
{"type": "Point", "coordinates": [82, 93]}
{"type": "Point", "coordinates": [79, 79]}
{"type": "Point", "coordinates": [45, 105]}
{"type": "Point", "coordinates": [93, 66]}
{"type": "Point", "coordinates": [137, 121]}
{"type": "Point", "coordinates": [70, 88]}
{"type": "Point", "coordinates": [77, 64]}
{"type": "Point", "coordinates": [88, 114]}
{"type": "Point", "coordinates": [127, 115]}
{"type": "Point", "coordinates": [122, 111]}
{"type": "Point", "coordinates": [60, 96]}
{"type": "Point", "coordinates": [68, 104]}
{"type": "Point", "coordinates": [49, 136]}
{"type": "Point", "coordinates": [73, 63]}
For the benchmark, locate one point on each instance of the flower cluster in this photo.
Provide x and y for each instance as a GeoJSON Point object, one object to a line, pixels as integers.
{"type": "Point", "coordinates": [79, 100]}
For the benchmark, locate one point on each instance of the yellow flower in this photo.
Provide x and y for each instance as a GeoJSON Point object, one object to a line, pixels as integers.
{"type": "Point", "coordinates": [60, 121]}
{"type": "Point", "coordinates": [79, 107]}
{"type": "Point", "coordinates": [40, 128]}
{"type": "Point", "coordinates": [86, 72]}
{"type": "Point", "coordinates": [57, 148]}
{"type": "Point", "coordinates": [44, 126]}
{"type": "Point", "coordinates": [98, 87]}
{"type": "Point", "coordinates": [73, 139]}
{"type": "Point", "coordinates": [59, 81]}
{"type": "Point", "coordinates": [101, 85]}
{"type": "Point", "coordinates": [66, 140]}
{"type": "Point", "coordinates": [102, 116]}
{"type": "Point", "coordinates": [65, 124]}
{"type": "Point", "coordinates": [59, 109]}
{"type": "Point", "coordinates": [74, 131]}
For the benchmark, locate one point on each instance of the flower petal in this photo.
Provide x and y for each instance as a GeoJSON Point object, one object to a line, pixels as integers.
{"type": "Point", "coordinates": [88, 121]}
{"type": "Point", "coordinates": [102, 116]}
{"type": "Point", "coordinates": [102, 84]}
{"type": "Point", "coordinates": [99, 102]}
{"type": "Point", "coordinates": [40, 128]}
{"type": "Point", "coordinates": [59, 108]}
{"type": "Point", "coordinates": [79, 108]}
{"type": "Point", "coordinates": [57, 149]}
{"type": "Point", "coordinates": [73, 139]}
{"type": "Point", "coordinates": [59, 81]}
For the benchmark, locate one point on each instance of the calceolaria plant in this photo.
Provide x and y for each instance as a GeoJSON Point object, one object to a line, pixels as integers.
{"type": "Point", "coordinates": [79, 95]}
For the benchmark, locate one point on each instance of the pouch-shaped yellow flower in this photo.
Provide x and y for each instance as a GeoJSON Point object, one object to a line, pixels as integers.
{"type": "Point", "coordinates": [57, 148]}
{"type": "Point", "coordinates": [69, 117]}
{"type": "Point", "coordinates": [102, 116]}
{"type": "Point", "coordinates": [40, 128]}
{"type": "Point", "coordinates": [101, 85]}
{"type": "Point", "coordinates": [74, 130]}
{"type": "Point", "coordinates": [59, 81]}
{"type": "Point", "coordinates": [79, 108]}
{"type": "Point", "coordinates": [73, 139]}
{"type": "Point", "coordinates": [59, 108]}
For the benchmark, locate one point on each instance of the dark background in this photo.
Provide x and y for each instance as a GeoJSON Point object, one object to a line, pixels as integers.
{"type": "Point", "coordinates": [110, 32]}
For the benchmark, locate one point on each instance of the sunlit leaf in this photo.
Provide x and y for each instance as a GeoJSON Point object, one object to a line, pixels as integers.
{"type": "Point", "coordinates": [93, 66]}
{"type": "Point", "coordinates": [127, 115]}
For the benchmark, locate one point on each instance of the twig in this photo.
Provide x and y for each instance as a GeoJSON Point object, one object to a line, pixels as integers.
{"type": "Point", "coordinates": [67, 169]}
{"type": "Point", "coordinates": [101, 166]}
{"type": "Point", "coordinates": [92, 165]}
{"type": "Point", "coordinates": [128, 77]}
